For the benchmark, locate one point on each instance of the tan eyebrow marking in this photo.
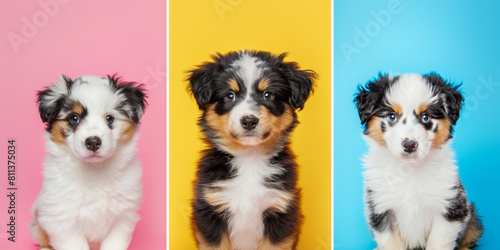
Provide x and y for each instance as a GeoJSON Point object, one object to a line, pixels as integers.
{"type": "Point", "coordinates": [234, 85]}
{"type": "Point", "coordinates": [263, 84]}
{"type": "Point", "coordinates": [397, 108]}
{"type": "Point", "coordinates": [421, 108]}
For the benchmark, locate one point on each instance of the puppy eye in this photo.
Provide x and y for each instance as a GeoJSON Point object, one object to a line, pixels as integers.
{"type": "Point", "coordinates": [74, 119]}
{"type": "Point", "coordinates": [425, 118]}
{"type": "Point", "coordinates": [268, 96]}
{"type": "Point", "coordinates": [230, 97]}
{"type": "Point", "coordinates": [110, 119]}
{"type": "Point", "coordinates": [393, 117]}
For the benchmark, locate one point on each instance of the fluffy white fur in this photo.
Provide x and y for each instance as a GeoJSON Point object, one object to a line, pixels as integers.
{"type": "Point", "coordinates": [418, 193]}
{"type": "Point", "coordinates": [89, 196]}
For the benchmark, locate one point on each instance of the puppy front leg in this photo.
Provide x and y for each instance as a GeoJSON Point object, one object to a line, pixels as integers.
{"type": "Point", "coordinates": [443, 234]}
{"type": "Point", "coordinates": [120, 235]}
{"type": "Point", "coordinates": [384, 228]}
{"type": "Point", "coordinates": [69, 241]}
{"type": "Point", "coordinates": [389, 239]}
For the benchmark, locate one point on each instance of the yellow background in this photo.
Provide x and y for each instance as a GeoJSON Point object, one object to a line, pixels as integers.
{"type": "Point", "coordinates": [197, 30]}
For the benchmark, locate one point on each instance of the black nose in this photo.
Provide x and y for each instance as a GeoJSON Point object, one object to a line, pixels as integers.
{"type": "Point", "coordinates": [409, 145]}
{"type": "Point", "coordinates": [93, 143]}
{"type": "Point", "coordinates": [249, 122]}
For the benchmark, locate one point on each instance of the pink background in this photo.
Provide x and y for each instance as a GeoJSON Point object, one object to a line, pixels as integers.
{"type": "Point", "coordinates": [78, 38]}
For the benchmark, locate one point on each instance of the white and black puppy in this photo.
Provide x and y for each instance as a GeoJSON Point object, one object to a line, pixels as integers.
{"type": "Point", "coordinates": [413, 195]}
{"type": "Point", "coordinates": [92, 186]}
{"type": "Point", "coordinates": [246, 194]}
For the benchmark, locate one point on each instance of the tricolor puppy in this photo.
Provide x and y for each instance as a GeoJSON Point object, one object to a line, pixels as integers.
{"type": "Point", "coordinates": [413, 195]}
{"type": "Point", "coordinates": [246, 194]}
{"type": "Point", "coordinates": [92, 187]}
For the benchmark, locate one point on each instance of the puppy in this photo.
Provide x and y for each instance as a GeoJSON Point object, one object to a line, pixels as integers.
{"type": "Point", "coordinates": [413, 195]}
{"type": "Point", "coordinates": [92, 186]}
{"type": "Point", "coordinates": [246, 194]}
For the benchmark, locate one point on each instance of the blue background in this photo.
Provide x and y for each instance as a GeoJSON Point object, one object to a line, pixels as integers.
{"type": "Point", "coordinates": [459, 40]}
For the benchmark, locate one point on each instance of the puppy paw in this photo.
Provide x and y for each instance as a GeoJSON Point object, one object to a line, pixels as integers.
{"type": "Point", "coordinates": [440, 248]}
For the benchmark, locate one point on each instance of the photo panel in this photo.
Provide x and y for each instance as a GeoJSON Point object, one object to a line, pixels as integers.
{"type": "Point", "coordinates": [42, 40]}
{"type": "Point", "coordinates": [199, 30]}
{"type": "Point", "coordinates": [392, 38]}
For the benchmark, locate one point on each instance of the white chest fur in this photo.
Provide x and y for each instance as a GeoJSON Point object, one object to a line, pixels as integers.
{"type": "Point", "coordinates": [246, 197]}
{"type": "Point", "coordinates": [416, 192]}
{"type": "Point", "coordinates": [88, 200]}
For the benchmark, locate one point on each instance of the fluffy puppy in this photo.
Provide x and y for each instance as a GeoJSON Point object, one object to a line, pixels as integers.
{"type": "Point", "coordinates": [92, 186]}
{"type": "Point", "coordinates": [246, 194]}
{"type": "Point", "coordinates": [413, 195]}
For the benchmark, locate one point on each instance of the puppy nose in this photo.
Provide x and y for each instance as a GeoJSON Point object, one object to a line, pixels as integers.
{"type": "Point", "coordinates": [93, 143]}
{"type": "Point", "coordinates": [249, 122]}
{"type": "Point", "coordinates": [409, 145]}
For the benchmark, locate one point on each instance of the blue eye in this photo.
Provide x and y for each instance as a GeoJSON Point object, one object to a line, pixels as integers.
{"type": "Point", "coordinates": [425, 118]}
{"type": "Point", "coordinates": [74, 119]}
{"type": "Point", "coordinates": [230, 97]}
{"type": "Point", "coordinates": [393, 117]}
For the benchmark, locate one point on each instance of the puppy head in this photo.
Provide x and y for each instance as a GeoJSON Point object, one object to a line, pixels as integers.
{"type": "Point", "coordinates": [91, 115]}
{"type": "Point", "coordinates": [409, 114]}
{"type": "Point", "coordinates": [249, 98]}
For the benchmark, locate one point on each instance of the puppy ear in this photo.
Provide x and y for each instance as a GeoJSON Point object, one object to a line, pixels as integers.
{"type": "Point", "coordinates": [134, 97]}
{"type": "Point", "coordinates": [366, 103]}
{"type": "Point", "coordinates": [454, 100]}
{"type": "Point", "coordinates": [200, 83]}
{"type": "Point", "coordinates": [51, 99]}
{"type": "Point", "coordinates": [449, 94]}
{"type": "Point", "coordinates": [301, 83]}
{"type": "Point", "coordinates": [369, 97]}
{"type": "Point", "coordinates": [48, 105]}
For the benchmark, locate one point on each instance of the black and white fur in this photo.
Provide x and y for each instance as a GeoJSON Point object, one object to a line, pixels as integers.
{"type": "Point", "coordinates": [92, 187]}
{"type": "Point", "coordinates": [413, 195]}
{"type": "Point", "coordinates": [246, 194]}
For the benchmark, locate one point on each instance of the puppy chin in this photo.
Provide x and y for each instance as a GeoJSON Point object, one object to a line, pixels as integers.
{"type": "Point", "coordinates": [404, 156]}
{"type": "Point", "coordinates": [414, 157]}
{"type": "Point", "coordinates": [251, 139]}
{"type": "Point", "coordinates": [410, 157]}
{"type": "Point", "coordinates": [93, 158]}
{"type": "Point", "coordinates": [90, 157]}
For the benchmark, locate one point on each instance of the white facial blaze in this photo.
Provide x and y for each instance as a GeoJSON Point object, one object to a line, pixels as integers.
{"type": "Point", "coordinates": [409, 93]}
{"type": "Point", "coordinates": [249, 70]}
